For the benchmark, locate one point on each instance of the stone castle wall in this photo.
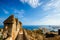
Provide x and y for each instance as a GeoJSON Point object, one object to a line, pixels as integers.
{"type": "Point", "coordinates": [13, 31]}
{"type": "Point", "coordinates": [11, 28]}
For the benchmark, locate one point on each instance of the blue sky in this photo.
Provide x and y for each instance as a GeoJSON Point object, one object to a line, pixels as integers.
{"type": "Point", "coordinates": [31, 12]}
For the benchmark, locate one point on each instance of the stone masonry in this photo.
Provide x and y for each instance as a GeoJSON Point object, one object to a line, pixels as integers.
{"type": "Point", "coordinates": [13, 31]}
{"type": "Point", "coordinates": [12, 28]}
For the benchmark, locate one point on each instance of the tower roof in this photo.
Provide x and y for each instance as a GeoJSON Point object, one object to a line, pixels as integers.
{"type": "Point", "coordinates": [10, 19]}
{"type": "Point", "coordinates": [20, 22]}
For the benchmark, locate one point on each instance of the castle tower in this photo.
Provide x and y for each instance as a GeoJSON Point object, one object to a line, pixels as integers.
{"type": "Point", "coordinates": [11, 28]}
{"type": "Point", "coordinates": [8, 24]}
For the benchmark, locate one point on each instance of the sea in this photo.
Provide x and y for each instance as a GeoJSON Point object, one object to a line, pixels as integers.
{"type": "Point", "coordinates": [35, 27]}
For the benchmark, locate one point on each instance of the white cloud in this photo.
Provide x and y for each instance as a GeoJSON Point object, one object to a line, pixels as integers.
{"type": "Point", "coordinates": [19, 13]}
{"type": "Point", "coordinates": [23, 1]}
{"type": "Point", "coordinates": [52, 8]}
{"type": "Point", "coordinates": [52, 4]}
{"type": "Point", "coordinates": [51, 20]}
{"type": "Point", "coordinates": [32, 3]}
{"type": "Point", "coordinates": [1, 21]}
{"type": "Point", "coordinates": [5, 11]}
